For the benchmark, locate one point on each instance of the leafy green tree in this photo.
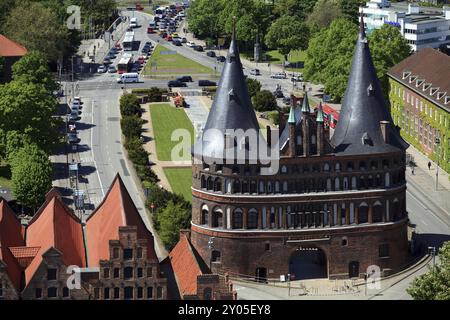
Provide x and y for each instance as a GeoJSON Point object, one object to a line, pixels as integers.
{"type": "Point", "coordinates": [31, 175]}
{"type": "Point", "coordinates": [136, 152]}
{"type": "Point", "coordinates": [350, 9]}
{"type": "Point", "coordinates": [15, 141]}
{"type": "Point", "coordinates": [5, 7]}
{"type": "Point", "coordinates": [33, 68]}
{"type": "Point", "coordinates": [155, 94]}
{"type": "Point", "coordinates": [329, 54]}
{"type": "Point", "coordinates": [129, 105]}
{"type": "Point", "coordinates": [324, 12]}
{"type": "Point", "coordinates": [297, 8]}
{"type": "Point", "coordinates": [131, 126]}
{"type": "Point", "coordinates": [388, 47]}
{"type": "Point", "coordinates": [253, 86]}
{"type": "Point", "coordinates": [37, 28]}
{"type": "Point", "coordinates": [287, 33]}
{"type": "Point", "coordinates": [170, 220]}
{"type": "Point", "coordinates": [28, 108]}
{"type": "Point", "coordinates": [264, 101]}
{"type": "Point", "coordinates": [435, 284]}
{"type": "Point", "coordinates": [202, 16]}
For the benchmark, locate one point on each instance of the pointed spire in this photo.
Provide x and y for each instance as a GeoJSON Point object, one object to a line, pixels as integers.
{"type": "Point", "coordinates": [305, 104]}
{"type": "Point", "coordinates": [319, 117]}
{"type": "Point", "coordinates": [291, 118]}
{"type": "Point", "coordinates": [363, 107]}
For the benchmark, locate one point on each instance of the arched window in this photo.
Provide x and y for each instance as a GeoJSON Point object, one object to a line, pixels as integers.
{"type": "Point", "coordinates": [378, 180]}
{"type": "Point", "coordinates": [253, 186]}
{"type": "Point", "coordinates": [203, 182]}
{"type": "Point", "coordinates": [385, 164]}
{"type": "Point", "coordinates": [362, 182]}
{"type": "Point", "coordinates": [377, 212]}
{"type": "Point", "coordinates": [285, 186]}
{"type": "Point", "coordinates": [277, 186]}
{"type": "Point", "coordinates": [209, 184]}
{"type": "Point", "coordinates": [217, 184]}
{"type": "Point", "coordinates": [237, 186]}
{"type": "Point", "coordinates": [337, 185]}
{"type": "Point", "coordinates": [387, 181]}
{"type": "Point", "coordinates": [215, 256]}
{"type": "Point", "coordinates": [217, 220]}
{"type": "Point", "coordinates": [337, 167]}
{"type": "Point", "coordinates": [345, 183]}
{"type": "Point", "coordinates": [326, 167]}
{"type": "Point", "coordinates": [362, 165]}
{"type": "Point", "coordinates": [370, 182]}
{"type": "Point", "coordinates": [363, 212]}
{"type": "Point", "coordinates": [395, 210]}
{"type": "Point", "coordinates": [235, 170]}
{"type": "Point", "coordinates": [228, 185]}
{"type": "Point", "coordinates": [350, 166]}
{"type": "Point", "coordinates": [237, 219]}
{"type": "Point", "coordinates": [374, 164]}
{"type": "Point", "coordinates": [328, 184]}
{"type": "Point", "coordinates": [261, 186]}
{"type": "Point", "coordinates": [354, 186]}
{"type": "Point", "coordinates": [252, 219]}
{"type": "Point", "coordinates": [283, 169]}
{"type": "Point", "coordinates": [269, 187]}
{"type": "Point", "coordinates": [205, 214]}
{"type": "Point", "coordinates": [313, 139]}
{"type": "Point", "coordinates": [245, 186]}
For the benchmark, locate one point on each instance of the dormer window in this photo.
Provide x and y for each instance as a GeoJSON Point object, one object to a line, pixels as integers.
{"type": "Point", "coordinates": [447, 100]}
{"type": "Point", "coordinates": [412, 79]}
{"type": "Point", "coordinates": [433, 91]}
{"type": "Point", "coordinates": [366, 140]}
{"type": "Point", "coordinates": [440, 95]}
{"type": "Point", "coordinates": [426, 86]}
{"type": "Point", "coordinates": [369, 90]}
{"type": "Point", "coordinates": [419, 82]}
{"type": "Point", "coordinates": [406, 74]}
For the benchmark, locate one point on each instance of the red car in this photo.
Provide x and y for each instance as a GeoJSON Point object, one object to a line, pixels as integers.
{"type": "Point", "coordinates": [149, 30]}
{"type": "Point", "coordinates": [117, 46]}
{"type": "Point", "coordinates": [169, 38]}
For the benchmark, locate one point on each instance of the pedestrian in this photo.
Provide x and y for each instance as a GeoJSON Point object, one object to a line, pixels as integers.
{"type": "Point", "coordinates": [429, 165]}
{"type": "Point", "coordinates": [412, 169]}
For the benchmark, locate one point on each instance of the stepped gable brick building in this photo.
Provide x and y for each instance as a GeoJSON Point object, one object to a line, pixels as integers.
{"type": "Point", "coordinates": [121, 247]}
{"type": "Point", "coordinates": [11, 51]}
{"type": "Point", "coordinates": [190, 278]}
{"type": "Point", "coordinates": [334, 207]}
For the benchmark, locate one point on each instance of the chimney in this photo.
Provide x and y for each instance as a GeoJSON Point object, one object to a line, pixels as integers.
{"type": "Point", "coordinates": [385, 128]}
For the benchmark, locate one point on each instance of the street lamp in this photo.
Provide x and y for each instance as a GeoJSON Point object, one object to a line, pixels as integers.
{"type": "Point", "coordinates": [432, 251]}
{"type": "Point", "coordinates": [438, 144]}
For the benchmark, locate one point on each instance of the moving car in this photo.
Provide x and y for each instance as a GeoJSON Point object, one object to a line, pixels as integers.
{"type": "Point", "coordinates": [211, 54]}
{"type": "Point", "coordinates": [128, 78]}
{"type": "Point", "coordinates": [255, 72]}
{"type": "Point", "coordinates": [101, 69]}
{"type": "Point", "coordinates": [176, 83]}
{"type": "Point", "coordinates": [206, 83]}
{"type": "Point", "coordinates": [278, 75]}
{"type": "Point", "coordinates": [112, 69]}
{"type": "Point", "coordinates": [185, 79]}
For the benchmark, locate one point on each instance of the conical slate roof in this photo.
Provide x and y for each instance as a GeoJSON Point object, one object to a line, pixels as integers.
{"type": "Point", "coordinates": [231, 108]}
{"type": "Point", "coordinates": [358, 129]}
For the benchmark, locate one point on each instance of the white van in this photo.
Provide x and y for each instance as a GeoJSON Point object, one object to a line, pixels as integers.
{"type": "Point", "coordinates": [133, 22]}
{"type": "Point", "coordinates": [128, 77]}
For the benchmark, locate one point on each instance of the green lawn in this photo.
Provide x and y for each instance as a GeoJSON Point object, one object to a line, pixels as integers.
{"type": "Point", "coordinates": [5, 176]}
{"type": "Point", "coordinates": [180, 180]}
{"type": "Point", "coordinates": [295, 56]}
{"type": "Point", "coordinates": [165, 119]}
{"type": "Point", "coordinates": [164, 64]}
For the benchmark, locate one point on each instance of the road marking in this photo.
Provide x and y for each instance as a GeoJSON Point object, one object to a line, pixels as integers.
{"type": "Point", "coordinates": [92, 151]}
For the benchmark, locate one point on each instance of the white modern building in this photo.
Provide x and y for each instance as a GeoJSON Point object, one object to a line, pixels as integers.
{"type": "Point", "coordinates": [422, 27]}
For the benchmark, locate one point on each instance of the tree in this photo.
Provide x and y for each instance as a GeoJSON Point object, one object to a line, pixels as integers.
{"type": "Point", "coordinates": [129, 105]}
{"type": "Point", "coordinates": [435, 284]}
{"type": "Point", "coordinates": [31, 175]}
{"type": "Point", "coordinates": [136, 152]}
{"type": "Point", "coordinates": [350, 9]}
{"type": "Point", "coordinates": [329, 55]}
{"type": "Point", "coordinates": [287, 33]}
{"type": "Point", "coordinates": [5, 7]}
{"type": "Point", "coordinates": [297, 8]}
{"type": "Point", "coordinates": [324, 12]}
{"type": "Point", "coordinates": [28, 108]}
{"type": "Point", "coordinates": [131, 126]}
{"type": "Point", "coordinates": [253, 86]}
{"type": "Point", "coordinates": [170, 220]}
{"type": "Point", "coordinates": [264, 101]}
{"type": "Point", "coordinates": [388, 47]}
{"type": "Point", "coordinates": [155, 94]}
{"type": "Point", "coordinates": [37, 28]}
{"type": "Point", "coordinates": [33, 68]}
{"type": "Point", "coordinates": [202, 16]}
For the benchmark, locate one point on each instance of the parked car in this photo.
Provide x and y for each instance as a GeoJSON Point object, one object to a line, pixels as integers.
{"type": "Point", "coordinates": [198, 48]}
{"type": "Point", "coordinates": [107, 60]}
{"type": "Point", "coordinates": [297, 79]}
{"type": "Point", "coordinates": [183, 40]}
{"type": "Point", "coordinates": [101, 69]}
{"type": "Point", "coordinates": [206, 83]}
{"type": "Point", "coordinates": [278, 75]}
{"type": "Point", "coordinates": [185, 79]}
{"type": "Point", "coordinates": [112, 69]}
{"type": "Point", "coordinates": [211, 54]}
{"type": "Point", "coordinates": [176, 83]}
{"type": "Point", "coordinates": [148, 43]}
{"type": "Point", "coordinates": [255, 72]}
{"type": "Point", "coordinates": [118, 46]}
{"type": "Point", "coordinates": [77, 100]}
{"type": "Point", "coordinates": [74, 115]}
{"type": "Point", "coordinates": [177, 43]}
{"type": "Point", "coordinates": [72, 137]}
{"type": "Point", "coordinates": [190, 44]}
{"type": "Point", "coordinates": [221, 58]}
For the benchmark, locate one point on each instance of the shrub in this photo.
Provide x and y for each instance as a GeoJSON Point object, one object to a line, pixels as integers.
{"type": "Point", "coordinates": [145, 173]}
{"type": "Point", "coordinates": [131, 126]}
{"type": "Point", "coordinates": [264, 101]}
{"type": "Point", "coordinates": [253, 86]}
{"type": "Point", "coordinates": [129, 105]}
{"type": "Point", "coordinates": [155, 94]}
{"type": "Point", "coordinates": [136, 152]}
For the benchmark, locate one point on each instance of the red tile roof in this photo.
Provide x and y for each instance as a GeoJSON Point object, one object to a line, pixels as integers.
{"type": "Point", "coordinates": [11, 235]}
{"type": "Point", "coordinates": [9, 48]}
{"type": "Point", "coordinates": [424, 70]}
{"type": "Point", "coordinates": [24, 255]}
{"type": "Point", "coordinates": [55, 226]}
{"type": "Point", "coordinates": [185, 266]}
{"type": "Point", "coordinates": [116, 210]}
